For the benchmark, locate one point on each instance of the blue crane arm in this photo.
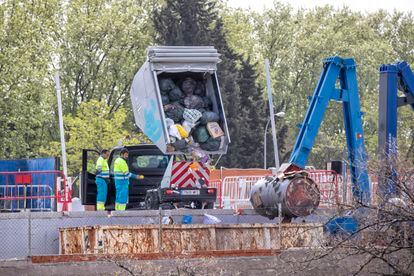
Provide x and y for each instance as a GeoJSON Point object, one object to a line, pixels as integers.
{"type": "Point", "coordinates": [393, 77]}
{"type": "Point", "coordinates": [344, 70]}
{"type": "Point", "coordinates": [406, 84]}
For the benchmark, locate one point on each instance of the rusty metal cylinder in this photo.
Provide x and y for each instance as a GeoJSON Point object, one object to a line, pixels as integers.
{"type": "Point", "coordinates": [298, 195]}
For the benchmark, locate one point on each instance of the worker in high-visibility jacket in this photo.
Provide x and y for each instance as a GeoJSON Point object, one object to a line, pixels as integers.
{"type": "Point", "coordinates": [101, 180]}
{"type": "Point", "coordinates": [122, 176]}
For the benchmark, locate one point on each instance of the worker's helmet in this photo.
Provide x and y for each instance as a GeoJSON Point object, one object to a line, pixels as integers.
{"type": "Point", "coordinates": [124, 150]}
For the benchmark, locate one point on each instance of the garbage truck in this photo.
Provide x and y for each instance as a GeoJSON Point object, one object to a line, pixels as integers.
{"type": "Point", "coordinates": [177, 104]}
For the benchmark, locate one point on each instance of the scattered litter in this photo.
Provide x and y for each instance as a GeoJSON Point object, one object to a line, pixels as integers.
{"type": "Point", "coordinates": [209, 219]}
{"type": "Point", "coordinates": [167, 220]}
{"type": "Point", "coordinates": [187, 219]}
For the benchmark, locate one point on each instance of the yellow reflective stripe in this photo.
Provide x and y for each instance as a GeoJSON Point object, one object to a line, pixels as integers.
{"type": "Point", "coordinates": [102, 164]}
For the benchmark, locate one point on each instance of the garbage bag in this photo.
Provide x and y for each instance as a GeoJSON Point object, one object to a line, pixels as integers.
{"type": "Point", "coordinates": [212, 144]}
{"type": "Point", "coordinates": [175, 94]}
{"type": "Point", "coordinates": [181, 130]}
{"type": "Point", "coordinates": [209, 219]}
{"type": "Point", "coordinates": [200, 134]}
{"type": "Point", "coordinates": [170, 148]}
{"type": "Point", "coordinates": [173, 131]}
{"type": "Point", "coordinates": [165, 99]}
{"type": "Point", "coordinates": [208, 117]}
{"type": "Point", "coordinates": [208, 104]}
{"type": "Point", "coordinates": [188, 126]}
{"type": "Point", "coordinates": [180, 145]}
{"type": "Point", "coordinates": [169, 122]}
{"type": "Point", "coordinates": [200, 89]}
{"type": "Point", "coordinates": [188, 86]}
{"type": "Point", "coordinates": [174, 112]}
{"type": "Point", "coordinates": [193, 102]}
{"type": "Point", "coordinates": [192, 115]}
{"type": "Point", "coordinates": [166, 85]}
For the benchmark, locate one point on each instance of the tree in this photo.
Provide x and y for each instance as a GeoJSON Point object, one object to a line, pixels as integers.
{"type": "Point", "coordinates": [101, 47]}
{"type": "Point", "coordinates": [26, 48]}
{"type": "Point", "coordinates": [197, 22]}
{"type": "Point", "coordinates": [93, 126]}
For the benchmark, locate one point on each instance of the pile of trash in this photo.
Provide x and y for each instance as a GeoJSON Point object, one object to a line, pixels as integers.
{"type": "Point", "coordinates": [191, 122]}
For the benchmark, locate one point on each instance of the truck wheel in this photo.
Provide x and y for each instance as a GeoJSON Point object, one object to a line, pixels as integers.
{"type": "Point", "coordinates": [209, 205]}
{"type": "Point", "coordinates": [151, 201]}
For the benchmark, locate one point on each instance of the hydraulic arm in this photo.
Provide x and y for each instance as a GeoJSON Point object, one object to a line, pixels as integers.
{"type": "Point", "coordinates": [393, 77]}
{"type": "Point", "coordinates": [337, 82]}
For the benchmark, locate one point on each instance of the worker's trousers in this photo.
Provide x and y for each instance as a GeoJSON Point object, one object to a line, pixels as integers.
{"type": "Point", "coordinates": [121, 198]}
{"type": "Point", "coordinates": [102, 191]}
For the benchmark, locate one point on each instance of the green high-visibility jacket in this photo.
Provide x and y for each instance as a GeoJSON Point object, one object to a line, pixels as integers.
{"type": "Point", "coordinates": [121, 170]}
{"type": "Point", "coordinates": [102, 168]}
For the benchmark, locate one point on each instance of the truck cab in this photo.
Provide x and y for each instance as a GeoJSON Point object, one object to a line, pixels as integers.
{"type": "Point", "coordinates": [146, 193]}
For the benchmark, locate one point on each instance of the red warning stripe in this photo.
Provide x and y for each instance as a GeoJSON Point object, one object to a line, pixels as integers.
{"type": "Point", "coordinates": [183, 176]}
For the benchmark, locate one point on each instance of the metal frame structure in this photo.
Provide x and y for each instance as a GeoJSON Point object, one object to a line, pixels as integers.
{"type": "Point", "coordinates": [393, 77]}
{"type": "Point", "coordinates": [338, 82]}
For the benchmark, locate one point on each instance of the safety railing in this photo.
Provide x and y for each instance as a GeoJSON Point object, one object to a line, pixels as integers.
{"type": "Point", "coordinates": [34, 190]}
{"type": "Point", "coordinates": [218, 185]}
{"type": "Point", "coordinates": [327, 182]}
{"type": "Point", "coordinates": [234, 192]}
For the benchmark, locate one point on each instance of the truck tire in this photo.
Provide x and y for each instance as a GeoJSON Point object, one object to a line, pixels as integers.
{"type": "Point", "coordinates": [151, 201]}
{"type": "Point", "coordinates": [209, 205]}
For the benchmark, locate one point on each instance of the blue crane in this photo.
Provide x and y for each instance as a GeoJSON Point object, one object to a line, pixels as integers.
{"type": "Point", "coordinates": [290, 192]}
{"type": "Point", "coordinates": [338, 82]}
{"type": "Point", "coordinates": [393, 77]}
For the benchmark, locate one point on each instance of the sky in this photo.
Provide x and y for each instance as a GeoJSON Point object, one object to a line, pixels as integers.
{"type": "Point", "coordinates": [357, 5]}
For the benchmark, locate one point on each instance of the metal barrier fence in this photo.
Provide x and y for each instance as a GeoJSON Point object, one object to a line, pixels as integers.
{"type": "Point", "coordinates": [234, 192]}
{"type": "Point", "coordinates": [327, 182]}
{"type": "Point", "coordinates": [34, 190]}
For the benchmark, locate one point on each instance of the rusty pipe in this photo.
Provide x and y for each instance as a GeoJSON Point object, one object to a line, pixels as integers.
{"type": "Point", "coordinates": [298, 195]}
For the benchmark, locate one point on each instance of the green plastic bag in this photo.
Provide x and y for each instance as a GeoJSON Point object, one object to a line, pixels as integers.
{"type": "Point", "coordinates": [200, 89]}
{"type": "Point", "coordinates": [174, 112]}
{"type": "Point", "coordinates": [175, 94]}
{"type": "Point", "coordinates": [193, 102]}
{"type": "Point", "coordinates": [166, 85]}
{"type": "Point", "coordinates": [201, 135]}
{"type": "Point", "coordinates": [208, 117]}
{"type": "Point", "coordinates": [211, 144]}
{"type": "Point", "coordinates": [188, 86]}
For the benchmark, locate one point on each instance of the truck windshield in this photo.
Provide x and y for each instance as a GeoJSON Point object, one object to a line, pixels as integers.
{"type": "Point", "coordinates": [140, 162]}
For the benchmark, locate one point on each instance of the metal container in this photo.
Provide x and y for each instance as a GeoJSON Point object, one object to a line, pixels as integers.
{"type": "Point", "coordinates": [298, 196]}
{"type": "Point", "coordinates": [178, 239]}
{"type": "Point", "coordinates": [146, 99]}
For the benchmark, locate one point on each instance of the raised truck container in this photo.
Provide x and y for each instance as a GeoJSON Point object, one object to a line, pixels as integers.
{"type": "Point", "coordinates": [175, 94]}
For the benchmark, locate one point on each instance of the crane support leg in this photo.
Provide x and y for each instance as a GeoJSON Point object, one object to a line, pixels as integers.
{"type": "Point", "coordinates": [344, 70]}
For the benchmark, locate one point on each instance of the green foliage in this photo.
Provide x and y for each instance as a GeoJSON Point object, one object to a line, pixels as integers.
{"type": "Point", "coordinates": [296, 42]}
{"type": "Point", "coordinates": [25, 50]}
{"type": "Point", "coordinates": [93, 126]}
{"type": "Point", "coordinates": [102, 46]}
{"type": "Point", "coordinates": [97, 46]}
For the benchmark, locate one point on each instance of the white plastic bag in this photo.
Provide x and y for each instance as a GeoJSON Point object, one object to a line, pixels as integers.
{"type": "Point", "coordinates": [188, 126]}
{"type": "Point", "coordinates": [209, 219]}
{"type": "Point", "coordinates": [192, 115]}
{"type": "Point", "coordinates": [173, 131]}
{"type": "Point", "coordinates": [169, 122]}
